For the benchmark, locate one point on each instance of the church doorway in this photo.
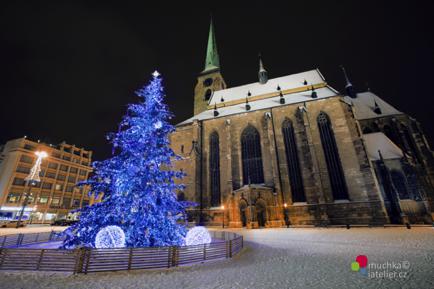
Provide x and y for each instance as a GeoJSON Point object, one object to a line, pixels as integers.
{"type": "Point", "coordinates": [261, 208]}
{"type": "Point", "coordinates": [243, 212]}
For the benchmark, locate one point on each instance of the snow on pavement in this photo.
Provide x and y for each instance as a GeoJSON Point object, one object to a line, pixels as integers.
{"type": "Point", "coordinates": [275, 258]}
{"type": "Point", "coordinates": [30, 229]}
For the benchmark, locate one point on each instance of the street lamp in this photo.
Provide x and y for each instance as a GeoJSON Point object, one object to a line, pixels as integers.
{"type": "Point", "coordinates": [285, 214]}
{"type": "Point", "coordinates": [31, 180]}
{"type": "Point", "coordinates": [223, 220]}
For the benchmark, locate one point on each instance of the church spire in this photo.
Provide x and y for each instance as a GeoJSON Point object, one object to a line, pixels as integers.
{"type": "Point", "coordinates": [262, 74]}
{"type": "Point", "coordinates": [212, 57]}
{"type": "Point", "coordinates": [348, 85]}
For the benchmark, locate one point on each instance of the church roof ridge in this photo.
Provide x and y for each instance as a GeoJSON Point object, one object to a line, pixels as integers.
{"type": "Point", "coordinates": [265, 103]}
{"type": "Point", "coordinates": [287, 82]}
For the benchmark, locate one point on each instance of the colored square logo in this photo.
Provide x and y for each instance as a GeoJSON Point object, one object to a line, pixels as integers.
{"type": "Point", "coordinates": [355, 266]}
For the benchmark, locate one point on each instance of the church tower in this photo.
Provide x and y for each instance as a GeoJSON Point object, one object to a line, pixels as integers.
{"type": "Point", "coordinates": [210, 79]}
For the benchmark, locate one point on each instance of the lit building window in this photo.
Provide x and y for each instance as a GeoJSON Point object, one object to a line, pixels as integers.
{"type": "Point", "coordinates": [55, 201]}
{"type": "Point", "coordinates": [13, 197]}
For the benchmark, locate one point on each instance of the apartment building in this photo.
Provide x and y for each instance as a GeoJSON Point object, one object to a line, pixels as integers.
{"type": "Point", "coordinates": [57, 194]}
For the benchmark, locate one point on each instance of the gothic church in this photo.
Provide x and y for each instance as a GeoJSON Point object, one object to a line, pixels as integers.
{"type": "Point", "coordinates": [294, 151]}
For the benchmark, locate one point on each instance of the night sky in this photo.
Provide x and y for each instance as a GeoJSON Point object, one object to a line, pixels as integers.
{"type": "Point", "coordinates": [68, 69]}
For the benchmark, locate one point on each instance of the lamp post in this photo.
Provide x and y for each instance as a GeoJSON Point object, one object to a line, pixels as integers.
{"type": "Point", "coordinates": [31, 180]}
{"type": "Point", "coordinates": [223, 220]}
{"type": "Point", "coordinates": [285, 214]}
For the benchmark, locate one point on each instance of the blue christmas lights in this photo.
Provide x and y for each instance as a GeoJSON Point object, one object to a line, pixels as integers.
{"type": "Point", "coordinates": [138, 182]}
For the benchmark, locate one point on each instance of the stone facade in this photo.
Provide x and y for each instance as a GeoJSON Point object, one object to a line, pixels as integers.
{"type": "Point", "coordinates": [364, 205]}
{"type": "Point", "coordinates": [369, 186]}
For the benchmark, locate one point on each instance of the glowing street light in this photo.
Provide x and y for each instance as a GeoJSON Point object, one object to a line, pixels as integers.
{"type": "Point", "coordinates": [223, 220]}
{"type": "Point", "coordinates": [285, 214]}
{"type": "Point", "coordinates": [32, 179]}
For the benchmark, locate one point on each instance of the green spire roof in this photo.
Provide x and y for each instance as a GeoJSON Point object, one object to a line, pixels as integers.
{"type": "Point", "coordinates": [212, 56]}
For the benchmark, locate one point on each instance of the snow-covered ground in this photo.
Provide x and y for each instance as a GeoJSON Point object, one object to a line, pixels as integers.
{"type": "Point", "coordinates": [276, 258]}
{"type": "Point", "coordinates": [30, 229]}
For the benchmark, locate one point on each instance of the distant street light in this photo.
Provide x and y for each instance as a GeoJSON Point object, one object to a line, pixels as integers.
{"type": "Point", "coordinates": [223, 220]}
{"type": "Point", "coordinates": [285, 213]}
{"type": "Point", "coordinates": [31, 180]}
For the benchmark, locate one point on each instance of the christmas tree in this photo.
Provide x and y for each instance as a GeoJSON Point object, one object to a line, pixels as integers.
{"type": "Point", "coordinates": [139, 206]}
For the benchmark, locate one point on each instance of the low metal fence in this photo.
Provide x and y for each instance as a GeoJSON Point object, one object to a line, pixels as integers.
{"type": "Point", "coordinates": [86, 260]}
{"type": "Point", "coordinates": [31, 238]}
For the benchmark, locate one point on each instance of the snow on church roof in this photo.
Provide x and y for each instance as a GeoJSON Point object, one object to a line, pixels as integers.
{"type": "Point", "coordinates": [290, 98]}
{"type": "Point", "coordinates": [294, 90]}
{"type": "Point", "coordinates": [378, 141]}
{"type": "Point", "coordinates": [364, 105]}
{"type": "Point", "coordinates": [285, 82]}
{"type": "Point", "coordinates": [237, 95]}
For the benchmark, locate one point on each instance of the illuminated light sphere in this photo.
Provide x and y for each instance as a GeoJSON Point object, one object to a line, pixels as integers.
{"type": "Point", "coordinates": [197, 235]}
{"type": "Point", "coordinates": [110, 237]}
{"type": "Point", "coordinates": [158, 125]}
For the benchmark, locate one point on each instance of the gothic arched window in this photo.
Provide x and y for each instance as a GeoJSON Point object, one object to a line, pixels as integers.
{"type": "Point", "coordinates": [251, 156]}
{"type": "Point", "coordinates": [214, 168]}
{"type": "Point", "coordinates": [334, 166]}
{"type": "Point", "coordinates": [294, 172]}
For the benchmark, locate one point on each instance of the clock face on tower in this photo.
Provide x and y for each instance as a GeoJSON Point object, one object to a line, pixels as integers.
{"type": "Point", "coordinates": [207, 82]}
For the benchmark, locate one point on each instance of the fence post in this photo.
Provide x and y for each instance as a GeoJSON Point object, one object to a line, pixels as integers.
{"type": "Point", "coordinates": [169, 257]}
{"type": "Point", "coordinates": [4, 241]}
{"type": "Point", "coordinates": [87, 254]}
{"type": "Point", "coordinates": [230, 248]}
{"type": "Point", "coordinates": [3, 256]}
{"type": "Point", "coordinates": [20, 239]}
{"type": "Point", "coordinates": [38, 265]}
{"type": "Point", "coordinates": [204, 252]}
{"type": "Point", "coordinates": [227, 249]}
{"type": "Point", "coordinates": [130, 258]}
{"type": "Point", "coordinates": [175, 256]}
{"type": "Point", "coordinates": [51, 235]}
{"type": "Point", "coordinates": [79, 261]}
